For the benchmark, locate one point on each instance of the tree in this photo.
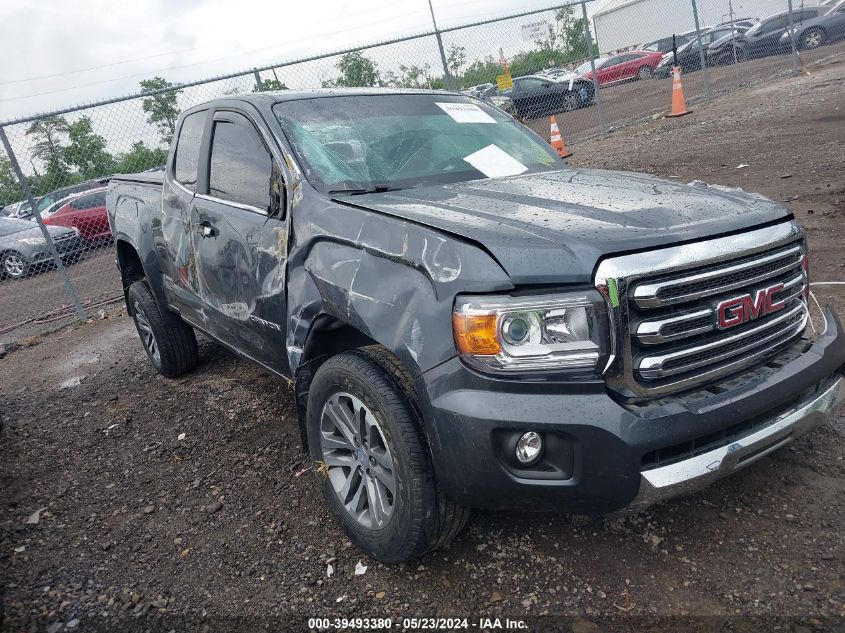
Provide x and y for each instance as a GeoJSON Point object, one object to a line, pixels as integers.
{"type": "Point", "coordinates": [10, 190]}
{"type": "Point", "coordinates": [48, 144]}
{"type": "Point", "coordinates": [456, 57]}
{"type": "Point", "coordinates": [410, 77]}
{"type": "Point", "coordinates": [566, 37]}
{"type": "Point", "coordinates": [139, 158]}
{"type": "Point", "coordinates": [162, 109]}
{"type": "Point", "coordinates": [356, 70]}
{"type": "Point", "coordinates": [270, 84]}
{"type": "Point", "coordinates": [87, 150]}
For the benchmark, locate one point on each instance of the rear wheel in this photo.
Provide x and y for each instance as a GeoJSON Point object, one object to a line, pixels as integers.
{"type": "Point", "coordinates": [812, 38]}
{"type": "Point", "coordinates": [169, 342]}
{"type": "Point", "coordinates": [645, 72]}
{"type": "Point", "coordinates": [365, 436]}
{"type": "Point", "coordinates": [570, 102]}
{"type": "Point", "coordinates": [14, 265]}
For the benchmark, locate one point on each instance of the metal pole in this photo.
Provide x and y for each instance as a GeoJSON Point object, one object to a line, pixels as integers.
{"type": "Point", "coordinates": [447, 77]}
{"type": "Point", "coordinates": [702, 58]}
{"type": "Point", "coordinates": [596, 97]}
{"type": "Point", "coordinates": [258, 82]}
{"type": "Point", "coordinates": [24, 183]}
{"type": "Point", "coordinates": [796, 62]}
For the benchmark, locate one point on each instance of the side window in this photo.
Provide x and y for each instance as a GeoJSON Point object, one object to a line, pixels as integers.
{"type": "Point", "coordinates": [98, 199]}
{"type": "Point", "coordinates": [241, 168]}
{"type": "Point", "coordinates": [80, 203]}
{"type": "Point", "coordinates": [188, 149]}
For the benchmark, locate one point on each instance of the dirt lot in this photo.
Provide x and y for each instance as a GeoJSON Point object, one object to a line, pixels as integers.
{"type": "Point", "coordinates": [143, 530]}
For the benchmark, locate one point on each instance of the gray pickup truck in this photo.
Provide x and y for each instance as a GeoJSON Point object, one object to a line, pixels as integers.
{"type": "Point", "coordinates": [466, 321]}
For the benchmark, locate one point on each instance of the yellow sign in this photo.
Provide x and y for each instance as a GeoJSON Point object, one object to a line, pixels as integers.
{"type": "Point", "coordinates": [505, 82]}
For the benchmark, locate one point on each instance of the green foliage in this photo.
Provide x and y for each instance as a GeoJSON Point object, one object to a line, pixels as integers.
{"type": "Point", "coordinates": [140, 158]}
{"type": "Point", "coordinates": [162, 109]}
{"type": "Point", "coordinates": [87, 150]}
{"type": "Point", "coordinates": [48, 146]}
{"type": "Point", "coordinates": [356, 70]}
{"type": "Point", "coordinates": [10, 191]}
{"type": "Point", "coordinates": [270, 84]}
{"type": "Point", "coordinates": [456, 58]}
{"type": "Point", "coordinates": [410, 77]}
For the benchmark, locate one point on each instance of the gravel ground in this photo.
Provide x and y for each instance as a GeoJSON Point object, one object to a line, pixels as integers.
{"type": "Point", "coordinates": [112, 519]}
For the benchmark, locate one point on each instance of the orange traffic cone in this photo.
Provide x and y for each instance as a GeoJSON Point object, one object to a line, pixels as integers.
{"type": "Point", "coordinates": [679, 104]}
{"type": "Point", "coordinates": [556, 140]}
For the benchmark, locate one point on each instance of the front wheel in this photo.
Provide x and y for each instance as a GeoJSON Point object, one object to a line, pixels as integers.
{"type": "Point", "coordinates": [812, 38]}
{"type": "Point", "coordinates": [570, 102]}
{"type": "Point", "coordinates": [169, 342]}
{"type": "Point", "coordinates": [645, 72]}
{"type": "Point", "coordinates": [14, 265]}
{"type": "Point", "coordinates": [365, 437]}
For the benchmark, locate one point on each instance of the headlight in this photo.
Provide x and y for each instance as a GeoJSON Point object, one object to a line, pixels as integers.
{"type": "Point", "coordinates": [541, 333]}
{"type": "Point", "coordinates": [33, 241]}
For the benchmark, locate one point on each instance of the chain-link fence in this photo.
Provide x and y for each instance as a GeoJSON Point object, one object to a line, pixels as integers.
{"type": "Point", "coordinates": [593, 65]}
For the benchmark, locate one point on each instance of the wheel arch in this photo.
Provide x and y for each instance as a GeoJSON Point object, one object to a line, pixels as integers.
{"type": "Point", "coordinates": [130, 266]}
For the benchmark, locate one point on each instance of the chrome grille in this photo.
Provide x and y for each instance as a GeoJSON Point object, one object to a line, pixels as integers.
{"type": "Point", "coordinates": [665, 308]}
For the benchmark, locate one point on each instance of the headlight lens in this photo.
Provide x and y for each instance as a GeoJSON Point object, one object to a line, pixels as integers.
{"type": "Point", "coordinates": [33, 241]}
{"type": "Point", "coordinates": [556, 332]}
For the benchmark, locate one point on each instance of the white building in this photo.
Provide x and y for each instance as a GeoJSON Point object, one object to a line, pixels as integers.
{"type": "Point", "coordinates": [620, 24]}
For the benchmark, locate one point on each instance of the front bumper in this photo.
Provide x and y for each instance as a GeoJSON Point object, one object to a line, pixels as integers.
{"type": "Point", "coordinates": [600, 451]}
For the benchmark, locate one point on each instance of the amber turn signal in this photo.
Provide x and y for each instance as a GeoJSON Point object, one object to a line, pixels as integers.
{"type": "Point", "coordinates": [476, 334]}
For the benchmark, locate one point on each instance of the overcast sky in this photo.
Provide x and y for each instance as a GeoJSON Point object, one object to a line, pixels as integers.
{"type": "Point", "coordinates": [58, 53]}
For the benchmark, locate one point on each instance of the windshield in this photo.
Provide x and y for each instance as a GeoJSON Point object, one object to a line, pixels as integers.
{"type": "Point", "coordinates": [9, 226]}
{"type": "Point", "coordinates": [363, 143]}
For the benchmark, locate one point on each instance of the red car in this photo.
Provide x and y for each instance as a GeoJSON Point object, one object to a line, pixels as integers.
{"type": "Point", "coordinates": [627, 66]}
{"type": "Point", "coordinates": [85, 212]}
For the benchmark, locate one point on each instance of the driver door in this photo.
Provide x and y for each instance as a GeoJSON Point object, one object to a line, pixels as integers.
{"type": "Point", "coordinates": [239, 236]}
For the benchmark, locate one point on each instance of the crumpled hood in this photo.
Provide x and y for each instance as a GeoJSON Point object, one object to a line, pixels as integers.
{"type": "Point", "coordinates": [553, 227]}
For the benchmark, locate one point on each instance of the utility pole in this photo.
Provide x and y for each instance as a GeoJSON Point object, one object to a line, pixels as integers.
{"type": "Point", "coordinates": [701, 55]}
{"type": "Point", "coordinates": [447, 78]}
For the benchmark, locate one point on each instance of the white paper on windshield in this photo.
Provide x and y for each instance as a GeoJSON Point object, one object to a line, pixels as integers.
{"type": "Point", "coordinates": [466, 112]}
{"type": "Point", "coordinates": [493, 161]}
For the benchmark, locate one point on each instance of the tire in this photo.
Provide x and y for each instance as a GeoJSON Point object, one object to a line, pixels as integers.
{"type": "Point", "coordinates": [812, 38]}
{"type": "Point", "coordinates": [570, 102]}
{"type": "Point", "coordinates": [14, 265]}
{"type": "Point", "coordinates": [169, 342]}
{"type": "Point", "coordinates": [645, 72]}
{"type": "Point", "coordinates": [365, 436]}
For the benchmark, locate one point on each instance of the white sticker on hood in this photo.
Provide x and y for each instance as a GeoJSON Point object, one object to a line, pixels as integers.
{"type": "Point", "coordinates": [493, 161]}
{"type": "Point", "coordinates": [465, 112]}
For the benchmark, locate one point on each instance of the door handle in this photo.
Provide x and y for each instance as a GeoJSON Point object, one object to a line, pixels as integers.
{"type": "Point", "coordinates": [205, 229]}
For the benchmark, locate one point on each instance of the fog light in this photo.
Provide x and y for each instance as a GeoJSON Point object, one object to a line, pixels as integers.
{"type": "Point", "coordinates": [528, 448]}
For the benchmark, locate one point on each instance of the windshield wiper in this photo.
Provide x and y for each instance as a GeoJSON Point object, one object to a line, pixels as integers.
{"type": "Point", "coordinates": [381, 188]}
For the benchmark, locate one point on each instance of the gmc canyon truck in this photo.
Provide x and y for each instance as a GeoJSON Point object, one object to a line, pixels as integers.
{"type": "Point", "coordinates": [467, 322]}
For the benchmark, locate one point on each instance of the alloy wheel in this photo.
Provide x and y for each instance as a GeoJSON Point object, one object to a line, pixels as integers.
{"type": "Point", "coordinates": [813, 39]}
{"type": "Point", "coordinates": [570, 103]}
{"type": "Point", "coordinates": [359, 463]}
{"type": "Point", "coordinates": [14, 265]}
{"type": "Point", "coordinates": [146, 331]}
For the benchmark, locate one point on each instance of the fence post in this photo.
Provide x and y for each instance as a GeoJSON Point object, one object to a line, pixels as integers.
{"type": "Point", "coordinates": [796, 64]}
{"type": "Point", "coordinates": [447, 77]}
{"type": "Point", "coordinates": [258, 81]}
{"type": "Point", "coordinates": [702, 57]}
{"type": "Point", "coordinates": [591, 52]}
{"type": "Point", "coordinates": [24, 183]}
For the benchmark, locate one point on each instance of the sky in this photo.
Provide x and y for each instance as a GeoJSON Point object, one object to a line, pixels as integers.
{"type": "Point", "coordinates": [68, 53]}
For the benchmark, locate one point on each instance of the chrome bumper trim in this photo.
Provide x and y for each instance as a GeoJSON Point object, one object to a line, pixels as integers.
{"type": "Point", "coordinates": [698, 472]}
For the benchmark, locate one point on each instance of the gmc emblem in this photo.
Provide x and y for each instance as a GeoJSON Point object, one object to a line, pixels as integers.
{"type": "Point", "coordinates": [742, 309]}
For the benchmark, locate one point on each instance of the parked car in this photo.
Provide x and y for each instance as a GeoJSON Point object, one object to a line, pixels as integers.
{"type": "Point", "coordinates": [743, 23]}
{"type": "Point", "coordinates": [534, 96]}
{"type": "Point", "coordinates": [18, 210]}
{"type": "Point", "coordinates": [49, 198]}
{"type": "Point", "coordinates": [23, 249]}
{"type": "Point", "coordinates": [587, 66]}
{"type": "Point", "coordinates": [818, 31]}
{"type": "Point", "coordinates": [665, 44]}
{"type": "Point", "coordinates": [626, 67]}
{"type": "Point", "coordinates": [466, 321]}
{"type": "Point", "coordinates": [689, 55]}
{"type": "Point", "coordinates": [476, 91]}
{"type": "Point", "coordinates": [85, 211]}
{"type": "Point", "coordinates": [765, 37]}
